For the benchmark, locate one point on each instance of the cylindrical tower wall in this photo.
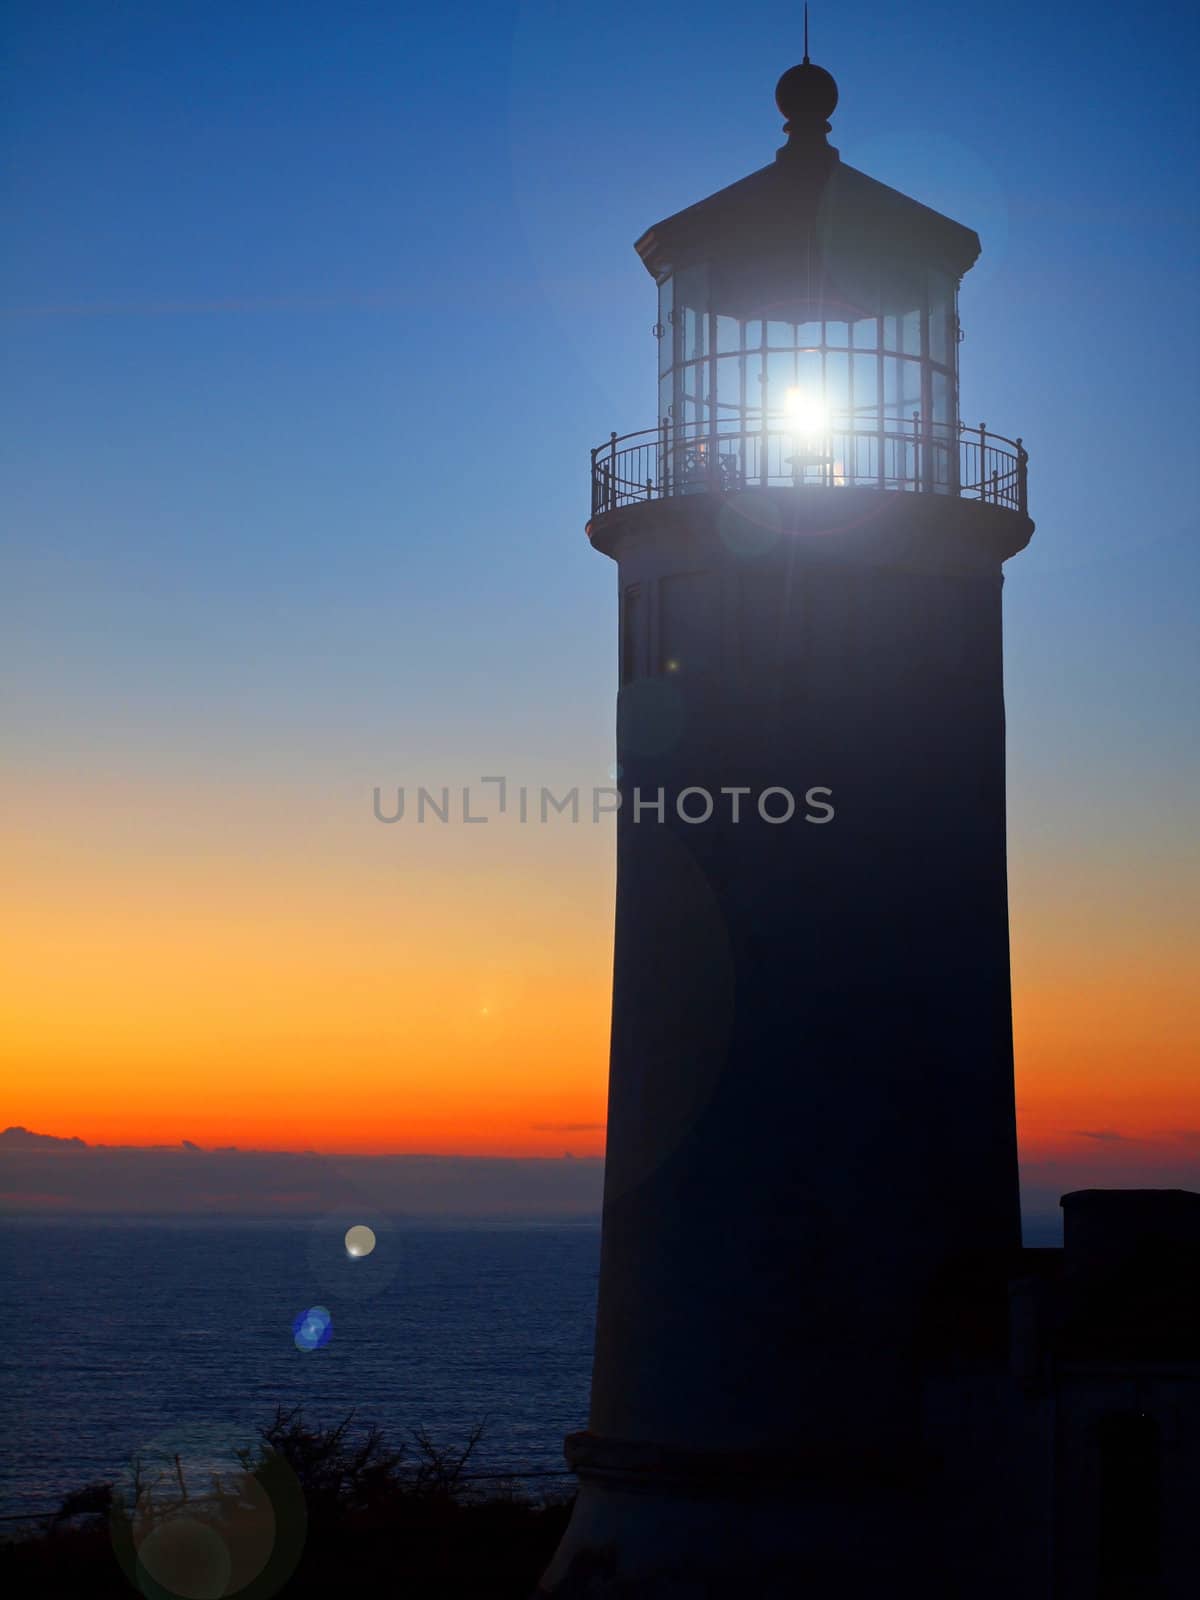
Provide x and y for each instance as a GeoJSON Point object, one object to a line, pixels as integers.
{"type": "Point", "coordinates": [811, 1095]}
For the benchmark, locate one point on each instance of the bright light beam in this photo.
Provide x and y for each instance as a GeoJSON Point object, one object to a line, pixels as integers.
{"type": "Point", "coordinates": [806, 416]}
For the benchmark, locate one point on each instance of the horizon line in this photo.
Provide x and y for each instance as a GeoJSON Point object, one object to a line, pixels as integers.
{"type": "Point", "coordinates": [49, 1141]}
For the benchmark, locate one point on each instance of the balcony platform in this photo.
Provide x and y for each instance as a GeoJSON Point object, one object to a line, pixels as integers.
{"type": "Point", "coordinates": [854, 526]}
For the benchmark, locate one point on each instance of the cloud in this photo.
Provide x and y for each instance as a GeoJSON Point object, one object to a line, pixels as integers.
{"type": "Point", "coordinates": [22, 1139]}
{"type": "Point", "coordinates": [568, 1127]}
{"type": "Point", "coordinates": [1105, 1135]}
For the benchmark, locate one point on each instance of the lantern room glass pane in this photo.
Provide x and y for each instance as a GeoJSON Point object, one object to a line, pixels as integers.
{"type": "Point", "coordinates": [721, 368]}
{"type": "Point", "coordinates": [865, 373]}
{"type": "Point", "coordinates": [729, 334]}
{"type": "Point", "coordinates": [666, 350]}
{"type": "Point", "coordinates": [754, 387]}
{"type": "Point", "coordinates": [695, 326]}
{"type": "Point", "coordinates": [891, 383]}
{"type": "Point", "coordinates": [691, 314]}
{"type": "Point", "coordinates": [781, 376]}
{"type": "Point", "coordinates": [941, 394]}
{"type": "Point", "coordinates": [697, 379]}
{"type": "Point", "coordinates": [942, 296]}
{"type": "Point", "coordinates": [837, 386]}
{"type": "Point", "coordinates": [808, 376]}
{"type": "Point", "coordinates": [729, 383]}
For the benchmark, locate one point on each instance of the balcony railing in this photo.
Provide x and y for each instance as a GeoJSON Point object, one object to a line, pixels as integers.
{"type": "Point", "coordinates": [896, 453]}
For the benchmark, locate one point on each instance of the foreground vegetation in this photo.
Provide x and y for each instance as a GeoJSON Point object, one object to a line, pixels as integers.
{"type": "Point", "coordinates": [313, 1511]}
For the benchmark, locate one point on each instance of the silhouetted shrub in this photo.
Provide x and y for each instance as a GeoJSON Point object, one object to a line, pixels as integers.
{"type": "Point", "coordinates": [382, 1518]}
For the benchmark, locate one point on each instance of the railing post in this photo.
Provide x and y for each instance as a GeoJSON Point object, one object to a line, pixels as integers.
{"type": "Point", "coordinates": [612, 469]}
{"type": "Point", "coordinates": [917, 476]}
{"type": "Point", "coordinates": [983, 460]}
{"type": "Point", "coordinates": [1022, 486]}
{"type": "Point", "coordinates": [595, 505]}
{"type": "Point", "coordinates": [664, 465]}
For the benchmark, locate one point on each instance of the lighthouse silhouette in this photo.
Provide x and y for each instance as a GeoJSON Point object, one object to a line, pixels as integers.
{"type": "Point", "coordinates": [811, 1118]}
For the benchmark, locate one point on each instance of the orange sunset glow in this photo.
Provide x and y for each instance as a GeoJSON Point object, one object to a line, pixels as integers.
{"type": "Point", "coordinates": [397, 1000]}
{"type": "Point", "coordinates": [299, 977]}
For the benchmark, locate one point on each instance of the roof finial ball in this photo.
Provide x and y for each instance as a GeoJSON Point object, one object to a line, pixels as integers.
{"type": "Point", "coordinates": [806, 95]}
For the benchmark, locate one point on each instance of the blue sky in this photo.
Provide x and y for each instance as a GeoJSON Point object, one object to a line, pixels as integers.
{"type": "Point", "coordinates": [311, 313]}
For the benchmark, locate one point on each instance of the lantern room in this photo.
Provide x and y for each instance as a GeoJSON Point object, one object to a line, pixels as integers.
{"type": "Point", "coordinates": [808, 333]}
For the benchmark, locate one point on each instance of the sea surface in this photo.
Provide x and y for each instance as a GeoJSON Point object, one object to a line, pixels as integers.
{"type": "Point", "coordinates": [118, 1333]}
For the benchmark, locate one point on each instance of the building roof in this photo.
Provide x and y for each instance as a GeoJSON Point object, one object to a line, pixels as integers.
{"type": "Point", "coordinates": [1125, 1288]}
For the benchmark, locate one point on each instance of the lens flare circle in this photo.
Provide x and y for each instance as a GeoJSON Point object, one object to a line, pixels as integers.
{"type": "Point", "coordinates": [186, 1558]}
{"type": "Point", "coordinates": [312, 1329]}
{"type": "Point", "coordinates": [360, 1240]}
{"type": "Point", "coordinates": [208, 1511]}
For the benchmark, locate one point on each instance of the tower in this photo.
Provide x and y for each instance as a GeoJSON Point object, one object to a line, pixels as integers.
{"type": "Point", "coordinates": [811, 1092]}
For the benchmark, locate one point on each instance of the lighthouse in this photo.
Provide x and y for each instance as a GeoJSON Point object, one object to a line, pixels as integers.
{"type": "Point", "coordinates": [811, 1119]}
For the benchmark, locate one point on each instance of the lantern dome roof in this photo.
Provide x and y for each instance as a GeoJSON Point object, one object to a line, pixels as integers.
{"type": "Point", "coordinates": [829, 205]}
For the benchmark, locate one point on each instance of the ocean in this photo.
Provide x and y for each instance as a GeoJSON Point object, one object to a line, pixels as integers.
{"type": "Point", "coordinates": [120, 1333]}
